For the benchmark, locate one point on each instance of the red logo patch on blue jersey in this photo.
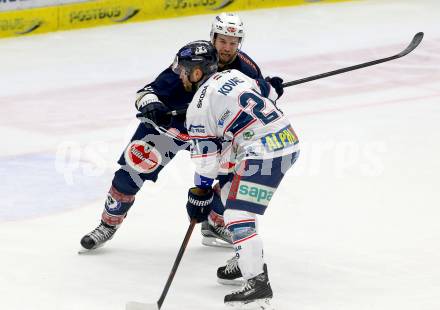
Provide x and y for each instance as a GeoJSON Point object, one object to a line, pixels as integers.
{"type": "Point", "coordinates": [142, 157]}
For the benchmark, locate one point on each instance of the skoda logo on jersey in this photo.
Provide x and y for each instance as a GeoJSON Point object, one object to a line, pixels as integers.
{"type": "Point", "coordinates": [142, 157]}
{"type": "Point", "coordinates": [202, 96]}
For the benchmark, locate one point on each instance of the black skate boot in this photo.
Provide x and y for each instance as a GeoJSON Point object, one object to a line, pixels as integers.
{"type": "Point", "coordinates": [97, 237]}
{"type": "Point", "coordinates": [230, 274]}
{"type": "Point", "coordinates": [216, 235]}
{"type": "Point", "coordinates": [256, 293]}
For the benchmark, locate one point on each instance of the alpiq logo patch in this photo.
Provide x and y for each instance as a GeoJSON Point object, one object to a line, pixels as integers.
{"type": "Point", "coordinates": [279, 140]}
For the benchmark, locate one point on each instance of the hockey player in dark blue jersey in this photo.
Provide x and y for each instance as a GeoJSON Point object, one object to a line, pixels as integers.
{"type": "Point", "coordinates": [161, 135]}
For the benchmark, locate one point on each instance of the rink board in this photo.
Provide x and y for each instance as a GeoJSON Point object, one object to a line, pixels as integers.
{"type": "Point", "coordinates": [110, 12]}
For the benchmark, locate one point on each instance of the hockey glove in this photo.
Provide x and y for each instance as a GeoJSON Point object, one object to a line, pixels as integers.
{"type": "Point", "coordinates": [157, 113]}
{"type": "Point", "coordinates": [277, 83]}
{"type": "Point", "coordinates": [199, 203]}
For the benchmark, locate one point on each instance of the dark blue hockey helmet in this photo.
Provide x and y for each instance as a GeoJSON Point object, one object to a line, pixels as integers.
{"type": "Point", "coordinates": [201, 54]}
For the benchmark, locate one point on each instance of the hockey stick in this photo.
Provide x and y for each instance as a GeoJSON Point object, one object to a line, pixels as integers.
{"type": "Point", "coordinates": [414, 43]}
{"type": "Point", "coordinates": [133, 305]}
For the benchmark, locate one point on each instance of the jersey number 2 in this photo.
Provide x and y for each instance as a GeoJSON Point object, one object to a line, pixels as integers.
{"type": "Point", "coordinates": [258, 105]}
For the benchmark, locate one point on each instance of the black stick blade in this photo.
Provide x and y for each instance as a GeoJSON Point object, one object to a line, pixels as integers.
{"type": "Point", "coordinates": [414, 43]}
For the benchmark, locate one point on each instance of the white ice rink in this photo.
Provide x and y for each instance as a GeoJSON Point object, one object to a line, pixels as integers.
{"type": "Point", "coordinates": [355, 224]}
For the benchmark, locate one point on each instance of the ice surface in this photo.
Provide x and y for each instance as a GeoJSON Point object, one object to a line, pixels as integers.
{"type": "Point", "coordinates": [354, 225]}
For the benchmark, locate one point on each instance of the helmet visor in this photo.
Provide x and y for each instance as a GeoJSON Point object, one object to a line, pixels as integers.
{"type": "Point", "coordinates": [175, 66]}
{"type": "Point", "coordinates": [181, 65]}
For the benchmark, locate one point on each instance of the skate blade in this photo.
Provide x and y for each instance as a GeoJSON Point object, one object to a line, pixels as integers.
{"type": "Point", "coordinates": [86, 251]}
{"type": "Point", "coordinates": [134, 305]}
{"type": "Point", "coordinates": [238, 281]}
{"type": "Point", "coordinates": [214, 242]}
{"type": "Point", "coordinates": [259, 304]}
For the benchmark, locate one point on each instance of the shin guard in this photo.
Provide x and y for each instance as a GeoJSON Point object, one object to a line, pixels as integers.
{"type": "Point", "coordinates": [247, 243]}
{"type": "Point", "coordinates": [116, 207]}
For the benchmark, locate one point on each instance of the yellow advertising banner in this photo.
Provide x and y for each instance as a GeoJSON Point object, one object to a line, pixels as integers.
{"type": "Point", "coordinates": [16, 23]}
{"type": "Point", "coordinates": [109, 12]}
{"type": "Point", "coordinates": [91, 14]}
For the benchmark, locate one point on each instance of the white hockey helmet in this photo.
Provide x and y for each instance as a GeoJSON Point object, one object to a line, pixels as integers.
{"type": "Point", "coordinates": [228, 24]}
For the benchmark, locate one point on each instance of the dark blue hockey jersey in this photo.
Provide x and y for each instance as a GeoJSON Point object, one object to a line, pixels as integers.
{"type": "Point", "coordinates": [169, 88]}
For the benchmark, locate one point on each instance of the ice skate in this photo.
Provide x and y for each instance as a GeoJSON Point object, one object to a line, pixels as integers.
{"type": "Point", "coordinates": [256, 293]}
{"type": "Point", "coordinates": [215, 235]}
{"type": "Point", "coordinates": [230, 274]}
{"type": "Point", "coordinates": [97, 237]}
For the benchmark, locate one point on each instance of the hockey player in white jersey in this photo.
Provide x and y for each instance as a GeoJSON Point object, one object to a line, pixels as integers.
{"type": "Point", "coordinates": [233, 118]}
{"type": "Point", "coordinates": [152, 147]}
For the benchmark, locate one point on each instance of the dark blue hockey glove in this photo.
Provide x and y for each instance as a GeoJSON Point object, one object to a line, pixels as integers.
{"type": "Point", "coordinates": [277, 83]}
{"type": "Point", "coordinates": [157, 113]}
{"type": "Point", "coordinates": [199, 203]}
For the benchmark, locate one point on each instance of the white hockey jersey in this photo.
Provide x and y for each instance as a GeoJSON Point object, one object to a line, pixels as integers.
{"type": "Point", "coordinates": [233, 117]}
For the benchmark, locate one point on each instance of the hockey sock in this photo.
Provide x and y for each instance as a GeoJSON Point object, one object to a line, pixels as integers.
{"type": "Point", "coordinates": [247, 243]}
{"type": "Point", "coordinates": [116, 207]}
